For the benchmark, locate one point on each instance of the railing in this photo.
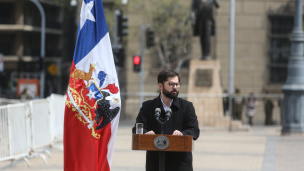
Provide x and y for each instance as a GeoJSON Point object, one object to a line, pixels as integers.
{"type": "Point", "coordinates": [131, 106]}
{"type": "Point", "coordinates": [4, 101]}
{"type": "Point", "coordinates": [40, 123]}
{"type": "Point", "coordinates": [4, 134]}
{"type": "Point", "coordinates": [29, 128]}
{"type": "Point", "coordinates": [57, 105]}
{"type": "Point", "coordinates": [14, 131]}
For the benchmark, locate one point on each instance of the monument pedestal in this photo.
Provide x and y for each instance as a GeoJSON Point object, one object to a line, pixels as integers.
{"type": "Point", "coordinates": [204, 84]}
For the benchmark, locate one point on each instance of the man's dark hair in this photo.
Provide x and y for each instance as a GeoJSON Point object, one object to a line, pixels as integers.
{"type": "Point", "coordinates": [164, 74]}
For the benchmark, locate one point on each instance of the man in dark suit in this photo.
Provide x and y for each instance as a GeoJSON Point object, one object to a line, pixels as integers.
{"type": "Point", "coordinates": [183, 121]}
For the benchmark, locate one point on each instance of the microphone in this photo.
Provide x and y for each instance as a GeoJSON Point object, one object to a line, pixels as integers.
{"type": "Point", "coordinates": [168, 113]}
{"type": "Point", "coordinates": [157, 113]}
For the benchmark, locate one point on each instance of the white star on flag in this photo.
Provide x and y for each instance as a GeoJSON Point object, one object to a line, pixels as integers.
{"type": "Point", "coordinates": [91, 94]}
{"type": "Point", "coordinates": [86, 13]}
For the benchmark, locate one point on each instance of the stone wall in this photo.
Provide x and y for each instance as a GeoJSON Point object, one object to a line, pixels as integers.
{"type": "Point", "coordinates": [251, 43]}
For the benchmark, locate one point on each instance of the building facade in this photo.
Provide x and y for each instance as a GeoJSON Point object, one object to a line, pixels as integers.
{"type": "Point", "coordinates": [262, 47]}
{"type": "Point", "coordinates": [20, 44]}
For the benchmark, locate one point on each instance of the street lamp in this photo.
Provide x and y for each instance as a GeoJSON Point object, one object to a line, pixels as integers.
{"type": "Point", "coordinates": [293, 104]}
{"type": "Point", "coordinates": [231, 59]}
{"type": "Point", "coordinates": [42, 47]}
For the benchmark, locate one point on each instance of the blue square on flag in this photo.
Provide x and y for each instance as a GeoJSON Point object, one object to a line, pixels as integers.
{"type": "Point", "coordinates": [94, 92]}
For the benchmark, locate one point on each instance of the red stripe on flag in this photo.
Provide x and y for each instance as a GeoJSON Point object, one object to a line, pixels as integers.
{"type": "Point", "coordinates": [102, 150]}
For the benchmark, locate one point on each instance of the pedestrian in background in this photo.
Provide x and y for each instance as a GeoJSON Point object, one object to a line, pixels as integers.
{"type": "Point", "coordinates": [238, 103]}
{"type": "Point", "coordinates": [251, 105]}
{"type": "Point", "coordinates": [268, 108]}
{"type": "Point", "coordinates": [225, 102]}
{"type": "Point", "coordinates": [25, 94]}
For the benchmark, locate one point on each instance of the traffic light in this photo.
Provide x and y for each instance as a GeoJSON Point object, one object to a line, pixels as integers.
{"type": "Point", "coordinates": [136, 63]}
{"type": "Point", "coordinates": [149, 38]}
{"type": "Point", "coordinates": [119, 56]}
{"type": "Point", "coordinates": [121, 25]}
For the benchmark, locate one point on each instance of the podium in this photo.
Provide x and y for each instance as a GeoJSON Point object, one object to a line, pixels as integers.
{"type": "Point", "coordinates": [162, 143]}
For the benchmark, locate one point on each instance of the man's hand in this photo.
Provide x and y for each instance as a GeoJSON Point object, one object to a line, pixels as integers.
{"type": "Point", "coordinates": [150, 133]}
{"type": "Point", "coordinates": [177, 132]}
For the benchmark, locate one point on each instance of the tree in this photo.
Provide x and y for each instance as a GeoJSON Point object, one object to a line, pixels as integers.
{"type": "Point", "coordinates": [172, 27]}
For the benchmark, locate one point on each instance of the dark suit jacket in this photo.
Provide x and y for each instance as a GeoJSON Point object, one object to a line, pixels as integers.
{"type": "Point", "coordinates": [183, 118]}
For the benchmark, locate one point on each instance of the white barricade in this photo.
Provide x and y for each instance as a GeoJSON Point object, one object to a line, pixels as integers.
{"type": "Point", "coordinates": [4, 101]}
{"type": "Point", "coordinates": [57, 106]}
{"type": "Point", "coordinates": [15, 131]}
{"type": "Point", "coordinates": [4, 134]}
{"type": "Point", "coordinates": [40, 125]}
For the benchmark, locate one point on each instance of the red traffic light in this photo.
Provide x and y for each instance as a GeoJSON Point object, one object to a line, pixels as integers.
{"type": "Point", "coordinates": [136, 60]}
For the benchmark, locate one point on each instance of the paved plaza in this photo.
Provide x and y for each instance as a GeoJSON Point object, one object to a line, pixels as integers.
{"type": "Point", "coordinates": [257, 149]}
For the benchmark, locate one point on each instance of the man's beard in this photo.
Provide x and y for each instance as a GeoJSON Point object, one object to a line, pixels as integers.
{"type": "Point", "coordinates": [170, 94]}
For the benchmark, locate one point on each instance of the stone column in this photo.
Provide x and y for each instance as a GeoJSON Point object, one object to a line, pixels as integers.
{"type": "Point", "coordinates": [19, 20]}
{"type": "Point", "coordinates": [293, 104]}
{"type": "Point", "coordinates": [19, 15]}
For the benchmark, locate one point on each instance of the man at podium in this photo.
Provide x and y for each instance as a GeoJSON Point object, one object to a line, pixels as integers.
{"type": "Point", "coordinates": [182, 121]}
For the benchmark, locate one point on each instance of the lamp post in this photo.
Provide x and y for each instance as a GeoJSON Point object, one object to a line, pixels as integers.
{"type": "Point", "coordinates": [231, 59]}
{"type": "Point", "coordinates": [293, 103]}
{"type": "Point", "coordinates": [42, 46]}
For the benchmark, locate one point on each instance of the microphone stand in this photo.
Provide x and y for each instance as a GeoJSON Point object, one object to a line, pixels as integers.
{"type": "Point", "coordinates": [162, 154]}
{"type": "Point", "coordinates": [162, 123]}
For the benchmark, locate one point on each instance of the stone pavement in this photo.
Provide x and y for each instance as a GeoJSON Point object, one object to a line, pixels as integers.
{"type": "Point", "coordinates": [259, 149]}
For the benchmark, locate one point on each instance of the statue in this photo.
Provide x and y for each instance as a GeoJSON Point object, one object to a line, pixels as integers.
{"type": "Point", "coordinates": [203, 23]}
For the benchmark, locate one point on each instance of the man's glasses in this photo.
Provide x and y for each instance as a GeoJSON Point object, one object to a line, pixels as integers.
{"type": "Point", "coordinates": [173, 84]}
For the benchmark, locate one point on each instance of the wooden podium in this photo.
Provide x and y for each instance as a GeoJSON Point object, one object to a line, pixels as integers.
{"type": "Point", "coordinates": [162, 143]}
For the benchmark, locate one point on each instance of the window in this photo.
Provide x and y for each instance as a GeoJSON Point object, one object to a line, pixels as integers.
{"type": "Point", "coordinates": [7, 11]}
{"type": "Point", "coordinates": [7, 41]}
{"type": "Point", "coordinates": [280, 32]}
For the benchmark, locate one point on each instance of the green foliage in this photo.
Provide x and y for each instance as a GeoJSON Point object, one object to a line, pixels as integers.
{"type": "Point", "coordinates": [173, 32]}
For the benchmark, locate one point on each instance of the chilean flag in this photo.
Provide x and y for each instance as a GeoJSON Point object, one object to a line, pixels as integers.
{"type": "Point", "coordinates": [93, 97]}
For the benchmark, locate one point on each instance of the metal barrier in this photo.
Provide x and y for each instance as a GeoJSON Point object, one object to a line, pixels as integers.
{"type": "Point", "coordinates": [40, 123]}
{"type": "Point", "coordinates": [4, 134]}
{"type": "Point", "coordinates": [27, 129]}
{"type": "Point", "coordinates": [14, 129]}
{"type": "Point", "coordinates": [4, 101]}
{"type": "Point", "coordinates": [57, 106]}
